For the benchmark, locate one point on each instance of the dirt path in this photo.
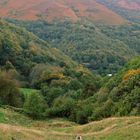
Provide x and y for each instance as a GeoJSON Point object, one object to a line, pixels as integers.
{"type": "Point", "coordinates": [58, 133]}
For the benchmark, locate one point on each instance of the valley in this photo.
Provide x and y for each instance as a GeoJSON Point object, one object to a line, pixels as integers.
{"type": "Point", "coordinates": [69, 68]}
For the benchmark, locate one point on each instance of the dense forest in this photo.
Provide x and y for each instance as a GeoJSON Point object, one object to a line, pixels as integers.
{"type": "Point", "coordinates": [42, 82]}
{"type": "Point", "coordinates": [69, 69]}
{"type": "Point", "coordinates": [101, 48]}
{"type": "Point", "coordinates": [29, 62]}
{"type": "Point", "coordinates": [118, 96]}
{"type": "Point", "coordinates": [129, 34]}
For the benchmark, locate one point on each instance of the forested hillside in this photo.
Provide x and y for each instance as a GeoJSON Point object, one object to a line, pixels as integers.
{"type": "Point", "coordinates": [124, 89]}
{"type": "Point", "coordinates": [95, 46]}
{"type": "Point", "coordinates": [129, 34]}
{"type": "Point", "coordinates": [118, 96]}
{"type": "Point", "coordinates": [33, 74]}
{"type": "Point", "coordinates": [21, 51]}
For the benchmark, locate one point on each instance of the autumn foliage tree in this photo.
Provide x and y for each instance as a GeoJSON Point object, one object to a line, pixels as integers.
{"type": "Point", "coordinates": [9, 93]}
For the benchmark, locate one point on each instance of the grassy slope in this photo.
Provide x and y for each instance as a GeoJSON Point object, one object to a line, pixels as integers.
{"type": "Point", "coordinates": [23, 128]}
{"type": "Point", "coordinates": [129, 9]}
{"type": "Point", "coordinates": [59, 9]}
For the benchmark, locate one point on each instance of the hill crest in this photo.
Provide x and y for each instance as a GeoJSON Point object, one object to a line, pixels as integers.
{"type": "Point", "coordinates": [59, 9]}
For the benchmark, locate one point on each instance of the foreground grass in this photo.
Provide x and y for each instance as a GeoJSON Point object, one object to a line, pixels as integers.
{"type": "Point", "coordinates": [21, 127]}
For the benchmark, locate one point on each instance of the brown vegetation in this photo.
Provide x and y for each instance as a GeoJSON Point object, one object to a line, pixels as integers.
{"type": "Point", "coordinates": [59, 9]}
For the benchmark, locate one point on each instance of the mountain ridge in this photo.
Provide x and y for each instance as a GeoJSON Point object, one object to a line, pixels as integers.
{"type": "Point", "coordinates": [129, 10]}
{"type": "Point", "coordinates": [59, 9]}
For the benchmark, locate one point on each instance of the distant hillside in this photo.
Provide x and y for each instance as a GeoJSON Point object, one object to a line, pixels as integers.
{"type": "Point", "coordinates": [126, 8]}
{"type": "Point", "coordinates": [23, 50]}
{"type": "Point", "coordinates": [86, 43]}
{"type": "Point", "coordinates": [59, 9]}
{"type": "Point", "coordinates": [130, 5]}
{"type": "Point", "coordinates": [129, 34]}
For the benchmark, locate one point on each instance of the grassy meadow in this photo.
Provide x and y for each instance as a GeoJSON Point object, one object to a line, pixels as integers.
{"type": "Point", "coordinates": [21, 127]}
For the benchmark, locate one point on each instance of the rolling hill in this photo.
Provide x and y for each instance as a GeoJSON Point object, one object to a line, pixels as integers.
{"type": "Point", "coordinates": [126, 8]}
{"type": "Point", "coordinates": [130, 5]}
{"type": "Point", "coordinates": [18, 126]}
{"type": "Point", "coordinates": [59, 9]}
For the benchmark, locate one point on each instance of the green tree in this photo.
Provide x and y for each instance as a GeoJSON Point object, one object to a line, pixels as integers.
{"type": "Point", "coordinates": [66, 106]}
{"type": "Point", "coordinates": [9, 93]}
{"type": "Point", "coordinates": [35, 105]}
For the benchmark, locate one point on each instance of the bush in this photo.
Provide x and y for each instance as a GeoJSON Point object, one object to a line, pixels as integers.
{"type": "Point", "coordinates": [35, 105]}
{"type": "Point", "coordinates": [103, 111]}
{"type": "Point", "coordinates": [62, 107]}
{"type": "Point", "coordinates": [9, 93]}
{"type": "Point", "coordinates": [83, 112]}
{"type": "Point", "coordinates": [51, 93]}
{"type": "Point", "coordinates": [65, 104]}
{"type": "Point", "coordinates": [81, 117]}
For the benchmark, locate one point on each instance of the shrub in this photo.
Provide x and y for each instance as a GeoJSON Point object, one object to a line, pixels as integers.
{"type": "Point", "coordinates": [62, 107]}
{"type": "Point", "coordinates": [82, 112]}
{"type": "Point", "coordinates": [35, 105]}
{"type": "Point", "coordinates": [51, 93]}
{"type": "Point", "coordinates": [103, 111]}
{"type": "Point", "coordinates": [65, 104]}
{"type": "Point", "coordinates": [9, 93]}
